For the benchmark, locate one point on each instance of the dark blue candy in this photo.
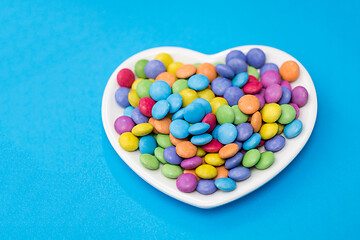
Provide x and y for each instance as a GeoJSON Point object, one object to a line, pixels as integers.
{"type": "Point", "coordinates": [237, 65]}
{"type": "Point", "coordinates": [206, 187]}
{"type": "Point", "coordinates": [171, 156]}
{"type": "Point", "coordinates": [275, 144]}
{"type": "Point", "coordinates": [234, 161]}
{"type": "Point", "coordinates": [239, 173]}
{"type": "Point", "coordinates": [255, 57]}
{"type": "Point", "coordinates": [268, 67]}
{"type": "Point", "coordinates": [232, 95]}
{"type": "Point", "coordinates": [224, 70]}
{"type": "Point", "coordinates": [219, 85]}
{"type": "Point", "coordinates": [239, 144]}
{"type": "Point", "coordinates": [286, 96]}
{"type": "Point", "coordinates": [138, 117]}
{"type": "Point", "coordinates": [235, 54]}
{"type": "Point", "coordinates": [245, 130]}
{"type": "Point", "coordinates": [121, 96]}
{"type": "Point", "coordinates": [153, 68]}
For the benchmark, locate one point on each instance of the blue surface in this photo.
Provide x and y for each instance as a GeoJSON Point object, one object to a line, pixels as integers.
{"type": "Point", "coordinates": [60, 177]}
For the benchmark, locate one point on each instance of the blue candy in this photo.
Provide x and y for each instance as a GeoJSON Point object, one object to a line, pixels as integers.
{"type": "Point", "coordinates": [275, 144]}
{"type": "Point", "coordinates": [255, 57]}
{"type": "Point", "coordinates": [179, 128]}
{"type": "Point", "coordinates": [219, 85]}
{"type": "Point", "coordinates": [227, 133]}
{"type": "Point", "coordinates": [206, 186]}
{"type": "Point", "coordinates": [128, 110]}
{"type": "Point", "coordinates": [235, 54]}
{"type": "Point", "coordinates": [160, 109]}
{"type": "Point", "coordinates": [171, 156]}
{"type": "Point", "coordinates": [232, 95]}
{"type": "Point", "coordinates": [234, 161]}
{"type": "Point", "coordinates": [138, 117]}
{"type": "Point", "coordinates": [215, 132]}
{"type": "Point", "coordinates": [239, 144]}
{"type": "Point", "coordinates": [179, 114]}
{"type": "Point", "coordinates": [153, 68]}
{"type": "Point", "coordinates": [198, 82]}
{"type": "Point", "coordinates": [160, 90]}
{"type": "Point", "coordinates": [237, 65]}
{"type": "Point", "coordinates": [252, 142]}
{"type": "Point", "coordinates": [147, 144]}
{"type": "Point", "coordinates": [244, 131]}
{"type": "Point", "coordinates": [224, 70]}
{"type": "Point", "coordinates": [201, 139]}
{"type": "Point", "coordinates": [199, 128]}
{"type": "Point", "coordinates": [286, 96]}
{"type": "Point", "coordinates": [268, 67]}
{"type": "Point", "coordinates": [175, 101]}
{"type": "Point", "coordinates": [194, 112]}
{"type": "Point", "coordinates": [293, 129]}
{"type": "Point", "coordinates": [225, 184]}
{"type": "Point", "coordinates": [240, 80]}
{"type": "Point", "coordinates": [239, 173]}
{"type": "Point", "coordinates": [206, 105]}
{"type": "Point", "coordinates": [121, 96]}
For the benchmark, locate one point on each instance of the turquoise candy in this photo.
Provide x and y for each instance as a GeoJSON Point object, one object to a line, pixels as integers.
{"type": "Point", "coordinates": [179, 114]}
{"type": "Point", "coordinates": [194, 113]}
{"type": "Point", "coordinates": [179, 128]}
{"type": "Point", "coordinates": [252, 142]}
{"type": "Point", "coordinates": [293, 129]}
{"type": "Point", "coordinates": [201, 139]}
{"type": "Point", "coordinates": [175, 101]}
{"type": "Point", "coordinates": [225, 184]}
{"type": "Point", "coordinates": [160, 109]}
{"type": "Point", "coordinates": [198, 128]}
{"type": "Point", "coordinates": [147, 144]}
{"type": "Point", "coordinates": [227, 133]}
{"type": "Point", "coordinates": [240, 80]}
{"type": "Point", "coordinates": [198, 82]}
{"type": "Point", "coordinates": [206, 105]}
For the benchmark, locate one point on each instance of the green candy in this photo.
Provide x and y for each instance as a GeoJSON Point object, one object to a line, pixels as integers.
{"type": "Point", "coordinates": [288, 114]}
{"type": "Point", "coordinates": [149, 161]}
{"type": "Point", "coordinates": [159, 154]}
{"type": "Point", "coordinates": [266, 160]}
{"type": "Point", "coordinates": [140, 68]}
{"type": "Point", "coordinates": [251, 158]}
{"type": "Point", "coordinates": [143, 88]}
{"type": "Point", "coordinates": [225, 114]}
{"type": "Point", "coordinates": [253, 71]}
{"type": "Point", "coordinates": [196, 64]}
{"type": "Point", "coordinates": [217, 63]}
{"type": "Point", "coordinates": [163, 140]}
{"type": "Point", "coordinates": [179, 85]}
{"type": "Point", "coordinates": [171, 171]}
{"type": "Point", "coordinates": [240, 117]}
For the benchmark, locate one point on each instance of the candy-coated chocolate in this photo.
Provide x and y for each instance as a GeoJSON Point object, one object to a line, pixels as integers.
{"type": "Point", "coordinates": [216, 103]}
{"type": "Point", "coordinates": [163, 140]}
{"type": "Point", "coordinates": [125, 78]}
{"type": "Point", "coordinates": [251, 158]}
{"type": "Point", "coordinates": [293, 129]}
{"type": "Point", "coordinates": [186, 182]}
{"type": "Point", "coordinates": [147, 145]}
{"type": "Point", "coordinates": [122, 96]}
{"type": "Point", "coordinates": [179, 85]}
{"type": "Point", "coordinates": [171, 156]}
{"type": "Point", "coordinates": [249, 104]}
{"type": "Point", "coordinates": [206, 171]}
{"type": "Point", "coordinates": [201, 139]}
{"type": "Point", "coordinates": [160, 90]}
{"type": "Point", "coordinates": [244, 131]}
{"type": "Point", "coordinates": [232, 95]}
{"type": "Point", "coordinates": [221, 172]}
{"type": "Point", "coordinates": [167, 77]}
{"type": "Point", "coordinates": [153, 68]}
{"type": "Point", "coordinates": [140, 68]}
{"type": "Point", "coordinates": [186, 149]}
{"type": "Point", "coordinates": [198, 82]}
{"type": "Point", "coordinates": [145, 106]}
{"type": "Point", "coordinates": [271, 112]}
{"type": "Point", "coordinates": [252, 142]}
{"type": "Point", "coordinates": [235, 54]}
{"type": "Point", "coordinates": [219, 85]}
{"type": "Point", "coordinates": [133, 98]}
{"type": "Point", "coordinates": [289, 71]}
{"type": "Point", "coordinates": [237, 65]}
{"type": "Point", "coordinates": [268, 67]}
{"type": "Point", "coordinates": [171, 171]}
{"type": "Point", "coordinates": [160, 109]}
{"type": "Point", "coordinates": [204, 103]}
{"type": "Point", "coordinates": [224, 70]}
{"type": "Point", "coordinates": [165, 58]}
{"type": "Point", "coordinates": [227, 133]}
{"type": "Point", "coordinates": [268, 130]}
{"type": "Point", "coordinates": [138, 117]}
{"type": "Point", "coordinates": [299, 96]}
{"type": "Point", "coordinates": [188, 95]}
{"type": "Point", "coordinates": [225, 114]}
{"type": "Point", "coordinates": [123, 124]}
{"type": "Point", "coordinates": [191, 163]}
{"type": "Point", "coordinates": [214, 159]}
{"type": "Point", "coordinates": [175, 102]}
{"type": "Point", "coordinates": [273, 93]}
{"type": "Point", "coordinates": [206, 186]}
{"type": "Point", "coordinates": [234, 161]}
{"type": "Point", "coordinates": [269, 78]}
{"type": "Point", "coordinates": [240, 79]}
{"type": "Point", "coordinates": [185, 71]}
{"type": "Point", "coordinates": [198, 128]}
{"type": "Point", "coordinates": [159, 154]}
{"type": "Point", "coordinates": [256, 58]}
{"type": "Point", "coordinates": [239, 173]}
{"type": "Point", "coordinates": [228, 150]}
{"type": "Point", "coordinates": [129, 142]}
{"type": "Point", "coordinates": [275, 144]}
{"type": "Point", "coordinates": [256, 121]}
{"type": "Point", "coordinates": [210, 119]}
{"type": "Point", "coordinates": [225, 184]}
{"type": "Point", "coordinates": [142, 129]}
{"type": "Point", "coordinates": [208, 70]}
{"type": "Point", "coordinates": [162, 125]}
{"type": "Point", "coordinates": [288, 114]}
{"type": "Point", "coordinates": [149, 161]}
{"type": "Point", "coordinates": [266, 160]}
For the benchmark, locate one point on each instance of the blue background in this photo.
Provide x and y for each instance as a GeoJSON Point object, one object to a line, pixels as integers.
{"type": "Point", "coordinates": [60, 177]}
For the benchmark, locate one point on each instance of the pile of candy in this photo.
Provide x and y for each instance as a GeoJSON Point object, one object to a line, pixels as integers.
{"type": "Point", "coordinates": [206, 122]}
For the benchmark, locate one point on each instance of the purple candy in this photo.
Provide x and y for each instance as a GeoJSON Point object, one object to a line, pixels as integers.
{"type": "Point", "coordinates": [275, 144]}
{"type": "Point", "coordinates": [138, 117]}
{"type": "Point", "coordinates": [286, 84]}
{"type": "Point", "coordinates": [224, 70]}
{"type": "Point", "coordinates": [235, 54]}
{"type": "Point", "coordinates": [191, 163]}
{"type": "Point", "coordinates": [186, 182]}
{"type": "Point", "coordinates": [219, 85]}
{"type": "Point", "coordinates": [299, 95]}
{"type": "Point", "coordinates": [153, 68]}
{"type": "Point", "coordinates": [262, 92]}
{"type": "Point", "coordinates": [232, 95]}
{"type": "Point", "coordinates": [123, 124]}
{"type": "Point", "coordinates": [234, 161]}
{"type": "Point", "coordinates": [255, 57]}
{"type": "Point", "coordinates": [297, 109]}
{"type": "Point", "coordinates": [269, 78]}
{"type": "Point", "coordinates": [244, 131]}
{"type": "Point", "coordinates": [286, 96]}
{"type": "Point", "coordinates": [268, 67]}
{"type": "Point", "coordinates": [273, 93]}
{"type": "Point", "coordinates": [121, 96]}
{"type": "Point", "coordinates": [261, 100]}
{"type": "Point", "coordinates": [171, 156]}
{"type": "Point", "coordinates": [237, 65]}
{"type": "Point", "coordinates": [206, 187]}
{"type": "Point", "coordinates": [239, 173]}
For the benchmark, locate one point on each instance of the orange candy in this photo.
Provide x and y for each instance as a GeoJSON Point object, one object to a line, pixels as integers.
{"type": "Point", "coordinates": [166, 77]}
{"type": "Point", "coordinates": [289, 71]}
{"type": "Point", "coordinates": [221, 172]}
{"type": "Point", "coordinates": [152, 122]}
{"type": "Point", "coordinates": [228, 150]}
{"type": "Point", "coordinates": [249, 104]}
{"type": "Point", "coordinates": [256, 121]}
{"type": "Point", "coordinates": [162, 125]}
{"type": "Point", "coordinates": [175, 141]}
{"type": "Point", "coordinates": [186, 149]}
{"type": "Point", "coordinates": [208, 70]}
{"type": "Point", "coordinates": [192, 171]}
{"type": "Point", "coordinates": [186, 71]}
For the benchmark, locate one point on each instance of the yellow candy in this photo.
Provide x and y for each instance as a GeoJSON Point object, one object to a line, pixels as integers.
{"type": "Point", "coordinates": [188, 95]}
{"type": "Point", "coordinates": [153, 80]}
{"type": "Point", "coordinates": [216, 103]}
{"type": "Point", "coordinates": [270, 112]}
{"type": "Point", "coordinates": [281, 128]}
{"type": "Point", "coordinates": [165, 58]}
{"type": "Point", "coordinates": [214, 159]}
{"type": "Point", "coordinates": [142, 129]}
{"type": "Point", "coordinates": [206, 94]}
{"type": "Point", "coordinates": [135, 83]}
{"type": "Point", "coordinates": [268, 130]}
{"type": "Point", "coordinates": [173, 67]}
{"type": "Point", "coordinates": [133, 98]}
{"type": "Point", "coordinates": [206, 171]}
{"type": "Point", "coordinates": [129, 142]}
{"type": "Point", "coordinates": [200, 152]}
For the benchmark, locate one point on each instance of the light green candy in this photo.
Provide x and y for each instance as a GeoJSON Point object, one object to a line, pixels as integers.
{"type": "Point", "coordinates": [288, 114]}
{"type": "Point", "coordinates": [140, 68]}
{"type": "Point", "coordinates": [149, 161]}
{"type": "Point", "coordinates": [179, 85]}
{"type": "Point", "coordinates": [266, 160]}
{"type": "Point", "coordinates": [240, 117]}
{"type": "Point", "coordinates": [253, 71]}
{"type": "Point", "coordinates": [143, 88]}
{"type": "Point", "coordinates": [225, 114]}
{"type": "Point", "coordinates": [163, 140]}
{"type": "Point", "coordinates": [171, 171]}
{"type": "Point", "coordinates": [251, 158]}
{"type": "Point", "coordinates": [159, 154]}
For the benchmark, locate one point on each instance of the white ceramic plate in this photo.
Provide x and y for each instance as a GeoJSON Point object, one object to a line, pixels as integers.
{"type": "Point", "coordinates": [111, 111]}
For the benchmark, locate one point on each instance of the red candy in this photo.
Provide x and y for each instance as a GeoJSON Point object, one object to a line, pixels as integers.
{"type": "Point", "coordinates": [125, 78]}
{"type": "Point", "coordinates": [213, 146]}
{"type": "Point", "coordinates": [145, 106]}
{"type": "Point", "coordinates": [252, 87]}
{"type": "Point", "coordinates": [210, 119]}
{"type": "Point", "coordinates": [261, 143]}
{"type": "Point", "coordinates": [252, 79]}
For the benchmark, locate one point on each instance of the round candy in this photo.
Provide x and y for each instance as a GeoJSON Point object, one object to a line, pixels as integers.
{"type": "Point", "coordinates": [255, 57]}
{"type": "Point", "coordinates": [268, 130]}
{"type": "Point", "coordinates": [271, 112]}
{"type": "Point", "coordinates": [225, 184]}
{"type": "Point", "coordinates": [173, 67]}
{"type": "Point", "coordinates": [194, 113]}
{"type": "Point", "coordinates": [201, 139]}
{"type": "Point", "coordinates": [232, 95]}
{"type": "Point", "coordinates": [228, 150]}
{"type": "Point", "coordinates": [147, 144]}
{"type": "Point", "coordinates": [188, 95]}
{"type": "Point", "coordinates": [171, 156]}
{"type": "Point", "coordinates": [206, 186]}
{"type": "Point", "coordinates": [269, 78]}
{"type": "Point", "coordinates": [175, 140]}
{"type": "Point", "coordinates": [239, 173]}
{"type": "Point", "coordinates": [261, 100]}
{"type": "Point", "coordinates": [179, 128]}
{"type": "Point", "coordinates": [163, 140]}
{"type": "Point", "coordinates": [216, 103]}
{"type": "Point", "coordinates": [252, 142]}
{"type": "Point", "coordinates": [273, 93]}
{"type": "Point", "coordinates": [206, 94]}
{"type": "Point", "coordinates": [199, 128]}
{"type": "Point", "coordinates": [171, 171]}
{"type": "Point", "coordinates": [252, 78]}
{"type": "Point", "coordinates": [198, 82]}
{"type": "Point", "coordinates": [167, 77]}
{"type": "Point", "coordinates": [206, 171]}
{"type": "Point", "coordinates": [244, 131]}
{"type": "Point", "coordinates": [160, 109]}
{"type": "Point", "coordinates": [224, 70]}
{"type": "Point", "coordinates": [128, 141]}
{"type": "Point", "coordinates": [253, 72]}
{"type": "Point", "coordinates": [293, 129]}
{"type": "Point", "coordinates": [299, 96]}
{"type": "Point", "coordinates": [286, 96]}
{"type": "Point", "coordinates": [253, 87]}
{"type": "Point", "coordinates": [179, 114]}
{"type": "Point", "coordinates": [225, 114]}
{"type": "Point", "coordinates": [180, 85]}
{"type": "Point", "coordinates": [142, 129]}
{"type": "Point", "coordinates": [235, 54]}
{"type": "Point", "coordinates": [289, 71]}
{"type": "Point", "coordinates": [186, 182]}
{"type": "Point", "coordinates": [159, 154]}
{"type": "Point", "coordinates": [204, 103]}
{"type": "Point", "coordinates": [240, 79]}
{"type": "Point", "coordinates": [268, 67]}
{"type": "Point", "coordinates": [240, 117]}
{"type": "Point", "coordinates": [219, 85]}
{"type": "Point", "coordinates": [200, 152]}
{"type": "Point", "coordinates": [215, 132]}
{"type": "Point", "coordinates": [185, 71]}
{"type": "Point", "coordinates": [294, 105]}
{"type": "Point", "coordinates": [145, 106]}
{"type": "Point", "coordinates": [133, 98]}
{"type": "Point", "coordinates": [213, 146]}
{"type": "Point", "coordinates": [210, 119]}
{"type": "Point", "coordinates": [251, 158]}
{"type": "Point", "coordinates": [266, 160]}
{"type": "Point", "coordinates": [222, 172]}
{"type": "Point", "coordinates": [160, 90]}
{"type": "Point", "coordinates": [143, 88]}
{"type": "Point", "coordinates": [128, 110]}
{"type": "Point", "coordinates": [125, 78]}
{"type": "Point", "coordinates": [122, 96]}
{"type": "Point", "coordinates": [186, 149]}
{"type": "Point", "coordinates": [138, 117]}
{"type": "Point", "coordinates": [256, 121]}
{"type": "Point", "coordinates": [149, 161]}
{"type": "Point", "coordinates": [214, 159]}
{"type": "Point", "coordinates": [234, 161]}
{"type": "Point", "coordinates": [275, 144]}
{"type": "Point", "coordinates": [237, 65]}
{"type": "Point", "coordinates": [123, 124]}
{"type": "Point", "coordinates": [227, 133]}
{"type": "Point", "coordinates": [288, 114]}
{"type": "Point", "coordinates": [140, 68]}
{"type": "Point", "coordinates": [208, 70]}
{"type": "Point", "coordinates": [286, 84]}
{"type": "Point", "coordinates": [153, 68]}
{"type": "Point", "coordinates": [165, 58]}
{"type": "Point", "coordinates": [249, 104]}
{"type": "Point", "coordinates": [136, 82]}
{"type": "Point", "coordinates": [175, 101]}
{"type": "Point", "coordinates": [191, 163]}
